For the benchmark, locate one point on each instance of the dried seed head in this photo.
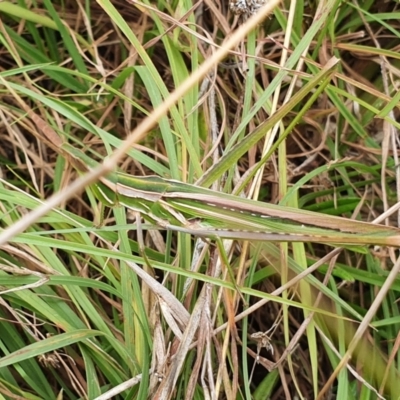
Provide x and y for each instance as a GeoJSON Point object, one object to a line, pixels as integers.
{"type": "Point", "coordinates": [246, 8]}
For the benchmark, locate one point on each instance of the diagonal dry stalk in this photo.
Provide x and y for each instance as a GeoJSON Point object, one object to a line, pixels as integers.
{"type": "Point", "coordinates": [110, 164]}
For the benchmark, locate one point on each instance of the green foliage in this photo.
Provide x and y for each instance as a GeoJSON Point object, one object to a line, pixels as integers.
{"type": "Point", "coordinates": [211, 262]}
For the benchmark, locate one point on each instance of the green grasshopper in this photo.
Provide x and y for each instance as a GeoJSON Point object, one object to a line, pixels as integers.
{"type": "Point", "coordinates": [178, 206]}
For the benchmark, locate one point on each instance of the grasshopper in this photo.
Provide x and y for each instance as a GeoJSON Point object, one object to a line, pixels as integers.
{"type": "Point", "coordinates": [178, 206]}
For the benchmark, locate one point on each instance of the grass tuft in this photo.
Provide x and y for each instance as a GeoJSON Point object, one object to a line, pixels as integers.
{"type": "Point", "coordinates": [199, 200]}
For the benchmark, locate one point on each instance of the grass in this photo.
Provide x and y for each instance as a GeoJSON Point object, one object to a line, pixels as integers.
{"type": "Point", "coordinates": [298, 109]}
